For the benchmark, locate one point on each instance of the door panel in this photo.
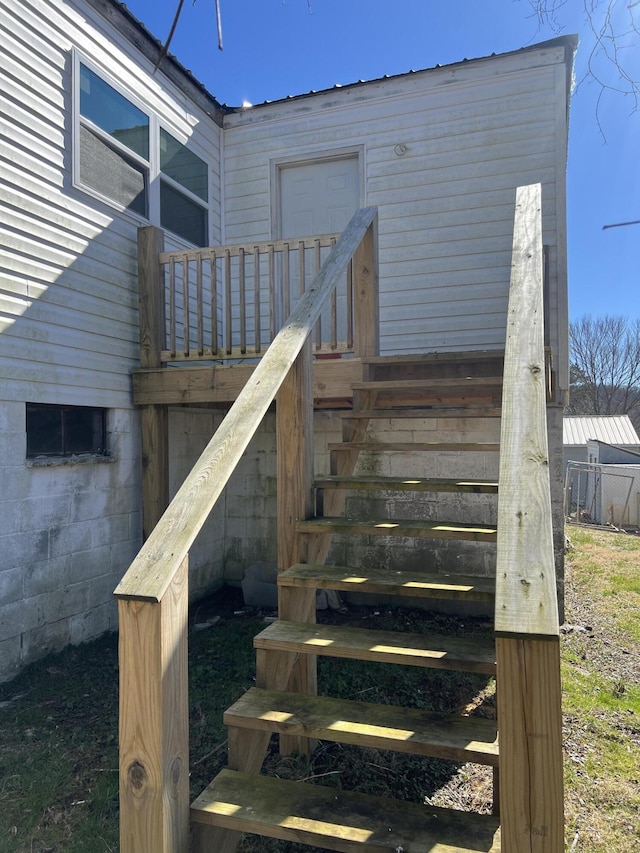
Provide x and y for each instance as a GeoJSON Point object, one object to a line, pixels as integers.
{"type": "Point", "coordinates": [316, 198]}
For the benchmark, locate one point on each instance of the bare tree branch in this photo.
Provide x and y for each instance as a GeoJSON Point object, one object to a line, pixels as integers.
{"type": "Point", "coordinates": [605, 367]}
{"type": "Point", "coordinates": [612, 44]}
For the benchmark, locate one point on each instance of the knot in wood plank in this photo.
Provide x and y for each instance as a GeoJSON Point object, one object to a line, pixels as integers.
{"type": "Point", "coordinates": [137, 775]}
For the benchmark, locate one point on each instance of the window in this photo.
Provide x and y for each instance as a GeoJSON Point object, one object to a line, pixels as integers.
{"type": "Point", "coordinates": [65, 430]}
{"type": "Point", "coordinates": [121, 150]}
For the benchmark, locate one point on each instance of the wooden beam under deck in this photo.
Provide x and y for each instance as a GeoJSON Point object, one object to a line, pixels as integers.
{"type": "Point", "coordinates": [332, 383]}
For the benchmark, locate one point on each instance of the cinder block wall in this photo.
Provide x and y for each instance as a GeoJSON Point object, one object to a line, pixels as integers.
{"type": "Point", "coordinates": [68, 531]}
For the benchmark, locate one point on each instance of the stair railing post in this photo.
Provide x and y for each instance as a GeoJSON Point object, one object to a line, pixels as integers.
{"type": "Point", "coordinates": [154, 419]}
{"type": "Point", "coordinates": [294, 440]}
{"type": "Point", "coordinates": [154, 721]}
{"type": "Point", "coordinates": [527, 631]}
{"type": "Point", "coordinates": [365, 294]}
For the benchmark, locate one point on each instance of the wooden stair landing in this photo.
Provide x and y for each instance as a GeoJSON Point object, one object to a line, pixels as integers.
{"type": "Point", "coordinates": [338, 820]}
{"type": "Point", "coordinates": [436, 651]}
{"type": "Point", "coordinates": [407, 730]}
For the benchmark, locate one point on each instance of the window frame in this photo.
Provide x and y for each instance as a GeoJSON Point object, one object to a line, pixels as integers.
{"type": "Point", "coordinates": [65, 452]}
{"type": "Point", "coordinates": [152, 166]}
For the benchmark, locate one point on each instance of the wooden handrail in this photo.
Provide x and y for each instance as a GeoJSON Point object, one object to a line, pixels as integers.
{"type": "Point", "coordinates": [153, 595]}
{"type": "Point", "coordinates": [152, 571]}
{"type": "Point", "coordinates": [526, 598]}
{"type": "Point", "coordinates": [526, 623]}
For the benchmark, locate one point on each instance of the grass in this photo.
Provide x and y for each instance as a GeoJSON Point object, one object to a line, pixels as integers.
{"type": "Point", "coordinates": [58, 719]}
{"type": "Point", "coordinates": [601, 692]}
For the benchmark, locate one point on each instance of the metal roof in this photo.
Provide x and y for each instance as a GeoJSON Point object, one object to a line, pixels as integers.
{"type": "Point", "coordinates": [616, 429]}
{"type": "Point", "coordinates": [148, 44]}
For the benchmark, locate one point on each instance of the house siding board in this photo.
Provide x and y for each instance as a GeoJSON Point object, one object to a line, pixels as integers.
{"type": "Point", "coordinates": [60, 244]}
{"type": "Point", "coordinates": [473, 134]}
{"type": "Point", "coordinates": [69, 330]}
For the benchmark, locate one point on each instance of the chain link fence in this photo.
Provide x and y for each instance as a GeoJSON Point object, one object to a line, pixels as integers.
{"type": "Point", "coordinates": [602, 494]}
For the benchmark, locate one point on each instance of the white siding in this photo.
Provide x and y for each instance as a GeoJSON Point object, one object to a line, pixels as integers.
{"type": "Point", "coordinates": [69, 331]}
{"type": "Point", "coordinates": [68, 294]}
{"type": "Point", "coordinates": [472, 133]}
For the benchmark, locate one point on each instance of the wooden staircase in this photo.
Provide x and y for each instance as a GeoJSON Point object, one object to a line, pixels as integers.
{"type": "Point", "coordinates": [153, 594]}
{"type": "Point", "coordinates": [284, 701]}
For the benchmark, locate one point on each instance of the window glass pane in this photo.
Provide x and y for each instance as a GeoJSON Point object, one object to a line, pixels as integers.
{"type": "Point", "coordinates": [113, 113]}
{"type": "Point", "coordinates": [182, 216]}
{"type": "Point", "coordinates": [111, 173]}
{"type": "Point", "coordinates": [83, 430]}
{"type": "Point", "coordinates": [44, 430]}
{"type": "Point", "coordinates": [183, 165]}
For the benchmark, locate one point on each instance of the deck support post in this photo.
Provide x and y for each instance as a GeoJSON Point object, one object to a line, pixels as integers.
{"type": "Point", "coordinates": [526, 624]}
{"type": "Point", "coordinates": [154, 419]}
{"type": "Point", "coordinates": [365, 294]}
{"type": "Point", "coordinates": [294, 439]}
{"type": "Point", "coordinates": [154, 721]}
{"type": "Point", "coordinates": [530, 726]}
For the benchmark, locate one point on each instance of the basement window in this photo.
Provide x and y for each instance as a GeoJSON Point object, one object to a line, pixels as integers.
{"type": "Point", "coordinates": [63, 431]}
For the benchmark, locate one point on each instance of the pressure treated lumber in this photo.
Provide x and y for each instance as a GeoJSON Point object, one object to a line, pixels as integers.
{"type": "Point", "coordinates": [445, 383]}
{"type": "Point", "coordinates": [151, 572]}
{"type": "Point", "coordinates": [418, 446]}
{"type": "Point", "coordinates": [385, 581]}
{"type": "Point", "coordinates": [526, 598]}
{"type": "Point", "coordinates": [418, 528]}
{"type": "Point", "coordinates": [367, 482]}
{"type": "Point", "coordinates": [408, 730]}
{"type": "Point", "coordinates": [527, 632]}
{"type": "Point", "coordinates": [338, 820]}
{"type": "Point", "coordinates": [530, 722]}
{"type": "Point", "coordinates": [154, 722]}
{"type": "Point", "coordinates": [428, 411]}
{"type": "Point", "coordinates": [435, 651]}
{"type": "Point", "coordinates": [430, 359]}
{"type": "Point", "coordinates": [222, 383]}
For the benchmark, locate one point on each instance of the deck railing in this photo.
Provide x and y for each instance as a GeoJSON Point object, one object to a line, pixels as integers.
{"type": "Point", "coordinates": [153, 595]}
{"type": "Point", "coordinates": [228, 302]}
{"type": "Point", "coordinates": [526, 620]}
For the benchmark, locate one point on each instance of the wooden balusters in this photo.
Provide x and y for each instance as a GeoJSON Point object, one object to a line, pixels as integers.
{"type": "Point", "coordinates": [216, 279]}
{"type": "Point", "coordinates": [227, 293]}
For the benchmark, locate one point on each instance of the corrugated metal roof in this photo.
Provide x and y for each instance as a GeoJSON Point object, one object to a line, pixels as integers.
{"type": "Point", "coordinates": [569, 42]}
{"type": "Point", "coordinates": [618, 429]}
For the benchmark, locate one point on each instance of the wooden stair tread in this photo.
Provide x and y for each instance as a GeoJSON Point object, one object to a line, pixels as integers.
{"type": "Point", "coordinates": [340, 820]}
{"type": "Point", "coordinates": [471, 411]}
{"type": "Point", "coordinates": [414, 528]}
{"type": "Point", "coordinates": [413, 484]}
{"type": "Point", "coordinates": [473, 356]}
{"type": "Point", "coordinates": [436, 651]}
{"type": "Point", "coordinates": [443, 383]}
{"type": "Point", "coordinates": [389, 582]}
{"type": "Point", "coordinates": [411, 447]}
{"type": "Point", "coordinates": [408, 730]}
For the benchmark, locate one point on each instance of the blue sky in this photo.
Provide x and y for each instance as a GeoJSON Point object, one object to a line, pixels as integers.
{"type": "Point", "coordinates": [274, 48]}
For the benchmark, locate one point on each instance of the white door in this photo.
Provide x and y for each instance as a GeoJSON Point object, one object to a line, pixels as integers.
{"type": "Point", "coordinates": [316, 198]}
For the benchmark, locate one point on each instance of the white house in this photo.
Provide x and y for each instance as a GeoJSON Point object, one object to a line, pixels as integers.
{"type": "Point", "coordinates": [96, 145]}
